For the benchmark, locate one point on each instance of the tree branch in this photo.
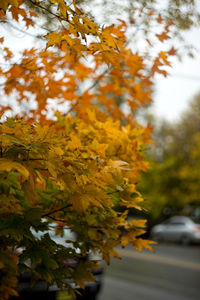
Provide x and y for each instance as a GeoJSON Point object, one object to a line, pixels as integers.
{"type": "Point", "coordinates": [56, 210]}
{"type": "Point", "coordinates": [50, 12]}
{"type": "Point", "coordinates": [57, 220]}
{"type": "Point", "coordinates": [100, 76]}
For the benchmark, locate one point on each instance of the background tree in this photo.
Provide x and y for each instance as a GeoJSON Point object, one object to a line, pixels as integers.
{"type": "Point", "coordinates": [172, 184]}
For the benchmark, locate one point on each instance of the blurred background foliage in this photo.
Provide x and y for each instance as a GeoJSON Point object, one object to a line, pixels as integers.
{"type": "Point", "coordinates": [172, 184]}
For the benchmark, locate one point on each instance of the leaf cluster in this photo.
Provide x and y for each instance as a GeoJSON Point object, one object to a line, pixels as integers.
{"type": "Point", "coordinates": [72, 173]}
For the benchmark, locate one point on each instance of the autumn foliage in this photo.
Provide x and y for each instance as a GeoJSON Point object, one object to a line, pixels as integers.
{"type": "Point", "coordinates": [172, 183]}
{"type": "Point", "coordinates": [75, 156]}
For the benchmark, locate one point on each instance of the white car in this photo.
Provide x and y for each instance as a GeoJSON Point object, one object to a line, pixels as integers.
{"type": "Point", "coordinates": [177, 229]}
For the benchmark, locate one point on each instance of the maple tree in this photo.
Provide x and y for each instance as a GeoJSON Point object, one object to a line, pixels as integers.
{"type": "Point", "coordinates": [74, 156]}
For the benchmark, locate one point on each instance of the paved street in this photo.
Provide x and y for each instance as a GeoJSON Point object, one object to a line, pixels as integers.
{"type": "Point", "coordinates": [172, 272]}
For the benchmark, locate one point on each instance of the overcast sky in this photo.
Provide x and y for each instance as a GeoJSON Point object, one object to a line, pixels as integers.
{"type": "Point", "coordinates": [172, 94]}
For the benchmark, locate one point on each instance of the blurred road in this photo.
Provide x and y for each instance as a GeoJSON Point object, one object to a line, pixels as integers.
{"type": "Point", "coordinates": [172, 272]}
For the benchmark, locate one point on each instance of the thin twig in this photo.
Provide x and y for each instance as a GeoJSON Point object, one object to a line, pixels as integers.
{"type": "Point", "coordinates": [50, 12]}
{"type": "Point", "coordinates": [56, 210]}
{"type": "Point", "coordinates": [57, 220]}
{"type": "Point", "coordinates": [23, 31]}
{"type": "Point", "coordinates": [99, 77]}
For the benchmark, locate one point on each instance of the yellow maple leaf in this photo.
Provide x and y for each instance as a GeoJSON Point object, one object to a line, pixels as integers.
{"type": "Point", "coordinates": [52, 169]}
{"type": "Point", "coordinates": [78, 27]}
{"type": "Point", "coordinates": [94, 47]}
{"type": "Point", "coordinates": [77, 10]}
{"type": "Point", "coordinates": [139, 244]}
{"type": "Point", "coordinates": [58, 150]}
{"type": "Point", "coordinates": [137, 223]}
{"type": "Point", "coordinates": [164, 55]}
{"type": "Point", "coordinates": [54, 39]}
{"type": "Point", "coordinates": [80, 202]}
{"type": "Point", "coordinates": [9, 165]}
{"type": "Point", "coordinates": [99, 148]}
{"type": "Point", "coordinates": [42, 132]}
{"type": "Point", "coordinates": [90, 26]}
{"type": "Point", "coordinates": [40, 179]}
{"type": "Point", "coordinates": [107, 38]}
{"type": "Point", "coordinates": [124, 241]}
{"type": "Point", "coordinates": [5, 3]}
{"type": "Point", "coordinates": [74, 143]}
{"type": "Point", "coordinates": [61, 6]}
{"type": "Point", "coordinates": [108, 249]}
